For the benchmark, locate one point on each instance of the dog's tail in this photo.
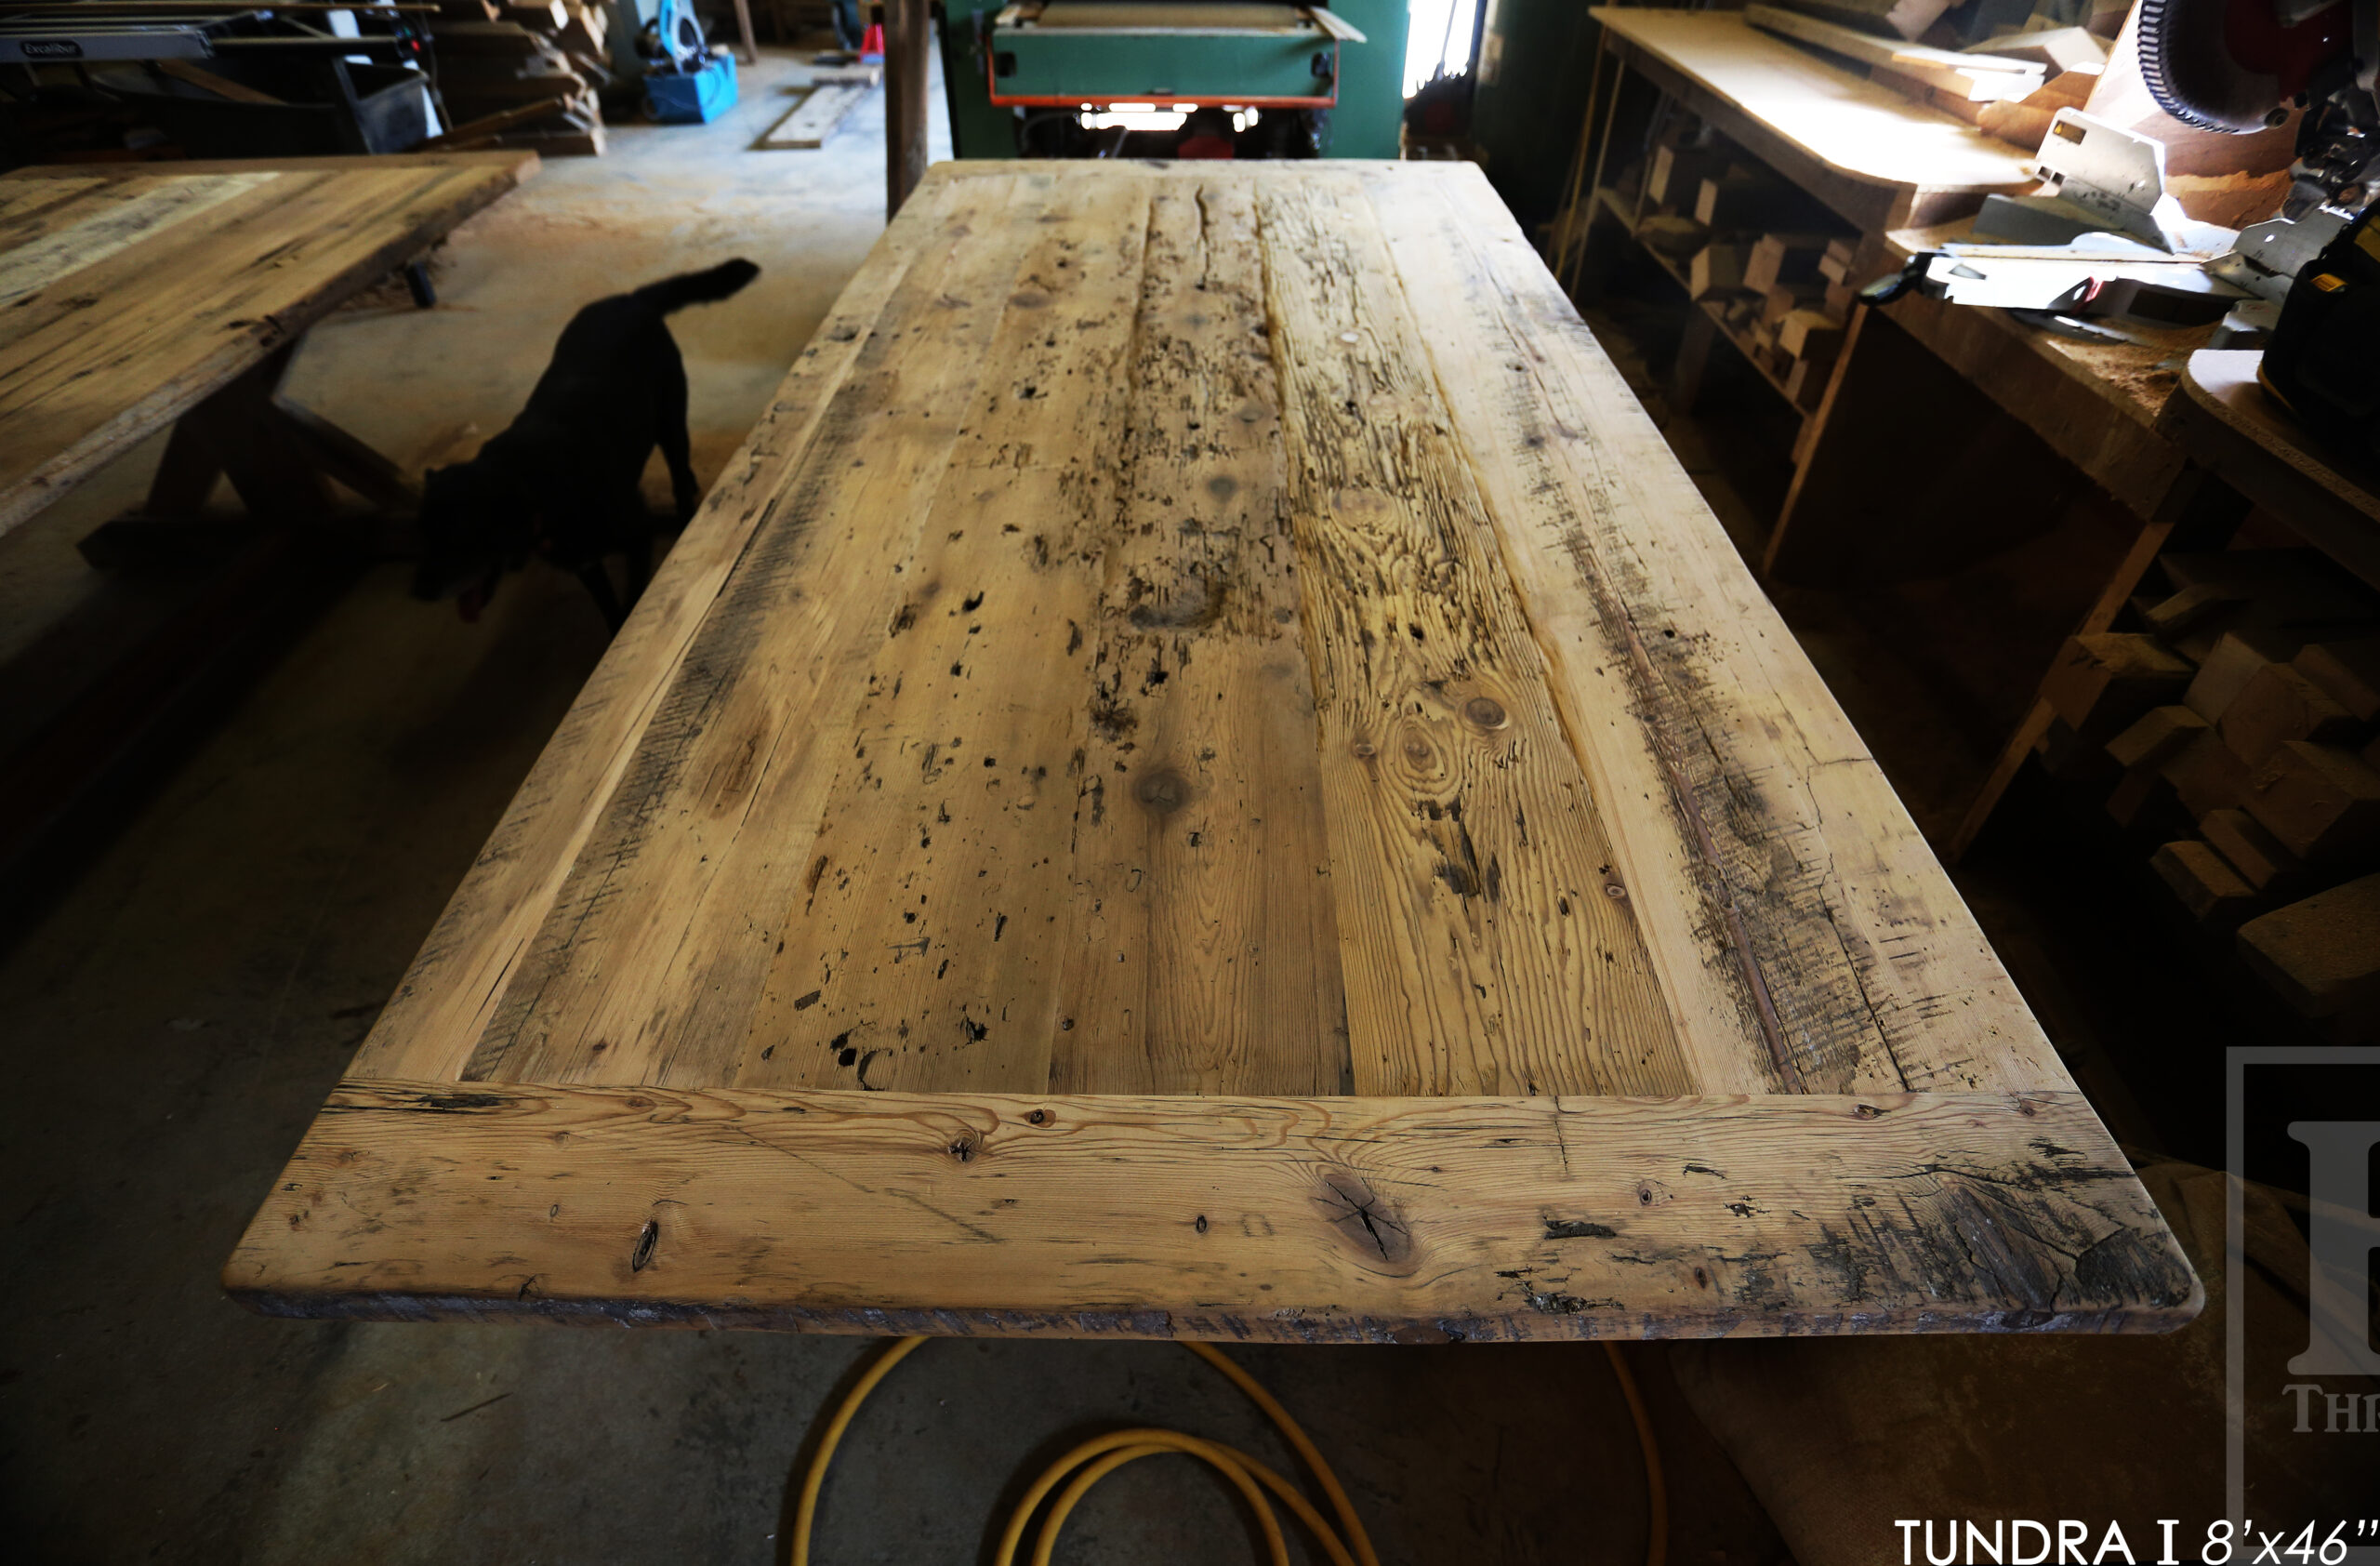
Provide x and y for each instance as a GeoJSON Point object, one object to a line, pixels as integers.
{"type": "Point", "coordinates": [698, 288]}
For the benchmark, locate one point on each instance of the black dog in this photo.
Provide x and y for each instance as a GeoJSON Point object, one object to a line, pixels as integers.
{"type": "Point", "coordinates": [564, 482]}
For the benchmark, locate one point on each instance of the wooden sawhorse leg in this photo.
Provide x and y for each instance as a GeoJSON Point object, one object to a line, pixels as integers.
{"type": "Point", "coordinates": [281, 457]}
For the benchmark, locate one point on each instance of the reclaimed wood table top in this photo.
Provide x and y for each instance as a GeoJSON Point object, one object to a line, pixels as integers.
{"type": "Point", "coordinates": [1205, 772]}
{"type": "Point", "coordinates": [130, 291]}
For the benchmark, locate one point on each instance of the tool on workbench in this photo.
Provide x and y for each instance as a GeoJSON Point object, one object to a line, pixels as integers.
{"type": "Point", "coordinates": [2238, 66]}
{"type": "Point", "coordinates": [2105, 238]}
{"type": "Point", "coordinates": [2325, 359]}
{"type": "Point", "coordinates": [222, 81]}
{"type": "Point", "coordinates": [2102, 178]}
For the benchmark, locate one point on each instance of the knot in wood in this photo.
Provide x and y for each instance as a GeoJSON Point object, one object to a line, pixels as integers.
{"type": "Point", "coordinates": [1365, 1223]}
{"type": "Point", "coordinates": [1485, 712]}
{"type": "Point", "coordinates": [965, 1146]}
{"type": "Point", "coordinates": [1164, 793]}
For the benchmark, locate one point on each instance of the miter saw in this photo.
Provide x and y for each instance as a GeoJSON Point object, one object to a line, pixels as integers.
{"type": "Point", "coordinates": [2240, 66]}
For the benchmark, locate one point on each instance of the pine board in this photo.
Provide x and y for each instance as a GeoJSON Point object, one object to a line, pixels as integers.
{"type": "Point", "coordinates": [138, 289]}
{"type": "Point", "coordinates": [809, 122]}
{"type": "Point", "coordinates": [1205, 705]}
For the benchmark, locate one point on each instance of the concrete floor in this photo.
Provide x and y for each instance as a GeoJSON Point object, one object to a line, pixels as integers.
{"type": "Point", "coordinates": [174, 1015]}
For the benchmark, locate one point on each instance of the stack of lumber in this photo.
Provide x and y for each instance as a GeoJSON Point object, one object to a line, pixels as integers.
{"type": "Point", "coordinates": [2237, 734]}
{"type": "Point", "coordinates": [517, 75]}
{"type": "Point", "coordinates": [1772, 266]}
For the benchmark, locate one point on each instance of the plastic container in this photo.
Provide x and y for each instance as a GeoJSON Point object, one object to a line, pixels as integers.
{"type": "Point", "coordinates": [696, 97]}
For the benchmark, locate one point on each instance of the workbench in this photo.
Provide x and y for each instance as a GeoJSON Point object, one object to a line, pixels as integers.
{"type": "Point", "coordinates": [1205, 773]}
{"type": "Point", "coordinates": [1874, 157]}
{"type": "Point", "coordinates": [137, 293]}
{"type": "Point", "coordinates": [1879, 456]}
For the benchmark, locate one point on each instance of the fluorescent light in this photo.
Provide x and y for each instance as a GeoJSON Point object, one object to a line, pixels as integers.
{"type": "Point", "coordinates": [1146, 117]}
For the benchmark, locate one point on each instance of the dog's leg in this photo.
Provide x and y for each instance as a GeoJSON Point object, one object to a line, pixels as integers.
{"type": "Point", "coordinates": [599, 586]}
{"type": "Point", "coordinates": [669, 424]}
{"type": "Point", "coordinates": [636, 542]}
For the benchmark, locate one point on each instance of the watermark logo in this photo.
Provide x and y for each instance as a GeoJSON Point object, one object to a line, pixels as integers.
{"type": "Point", "coordinates": [2330, 1390]}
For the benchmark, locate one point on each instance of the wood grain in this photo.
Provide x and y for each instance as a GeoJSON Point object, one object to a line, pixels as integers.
{"type": "Point", "coordinates": [923, 949]}
{"type": "Point", "coordinates": [1201, 954]}
{"type": "Point", "coordinates": [1489, 945]}
{"type": "Point", "coordinates": [654, 950]}
{"type": "Point", "coordinates": [1315, 1220]}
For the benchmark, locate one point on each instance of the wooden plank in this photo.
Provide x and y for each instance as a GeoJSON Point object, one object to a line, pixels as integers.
{"type": "Point", "coordinates": [658, 938]}
{"type": "Point", "coordinates": [1488, 946]}
{"type": "Point", "coordinates": [809, 122]}
{"type": "Point", "coordinates": [2323, 954]}
{"type": "Point", "coordinates": [1803, 931]}
{"type": "Point", "coordinates": [923, 951]}
{"type": "Point", "coordinates": [1202, 952]}
{"type": "Point", "coordinates": [442, 1008]}
{"type": "Point", "coordinates": [1316, 1220]}
{"type": "Point", "coordinates": [1979, 77]}
{"type": "Point", "coordinates": [205, 300]}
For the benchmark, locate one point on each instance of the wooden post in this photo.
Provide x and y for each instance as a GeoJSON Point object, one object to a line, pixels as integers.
{"type": "Point", "coordinates": [908, 34]}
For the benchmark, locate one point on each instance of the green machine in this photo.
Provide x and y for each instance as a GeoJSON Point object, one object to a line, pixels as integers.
{"type": "Point", "coordinates": [1247, 78]}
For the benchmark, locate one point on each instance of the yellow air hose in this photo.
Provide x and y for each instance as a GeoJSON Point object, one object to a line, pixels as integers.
{"type": "Point", "coordinates": [1093, 1460]}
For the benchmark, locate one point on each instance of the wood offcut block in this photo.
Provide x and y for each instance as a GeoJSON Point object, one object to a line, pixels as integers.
{"type": "Point", "coordinates": [2262, 862]}
{"type": "Point", "coordinates": [1810, 335]}
{"type": "Point", "coordinates": [2206, 776]}
{"type": "Point", "coordinates": [2185, 610]}
{"type": "Point", "coordinates": [2157, 737]}
{"type": "Point", "coordinates": [2279, 704]}
{"type": "Point", "coordinates": [1716, 269]}
{"type": "Point", "coordinates": [2233, 661]}
{"type": "Point", "coordinates": [2102, 681]}
{"type": "Point", "coordinates": [1677, 238]}
{"type": "Point", "coordinates": [2319, 801]}
{"type": "Point", "coordinates": [1673, 176]}
{"type": "Point", "coordinates": [2348, 671]}
{"type": "Point", "coordinates": [2322, 955]}
{"type": "Point", "coordinates": [2209, 888]}
{"type": "Point", "coordinates": [1784, 257]}
{"type": "Point", "coordinates": [1745, 199]}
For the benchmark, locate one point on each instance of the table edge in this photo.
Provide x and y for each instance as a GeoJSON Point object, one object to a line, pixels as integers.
{"type": "Point", "coordinates": [650, 1207]}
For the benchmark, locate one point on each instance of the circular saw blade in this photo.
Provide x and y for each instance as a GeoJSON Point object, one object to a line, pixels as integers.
{"type": "Point", "coordinates": [2186, 62]}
